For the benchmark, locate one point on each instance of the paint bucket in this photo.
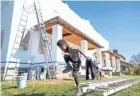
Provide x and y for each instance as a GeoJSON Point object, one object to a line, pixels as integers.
{"type": "Point", "coordinates": [21, 81]}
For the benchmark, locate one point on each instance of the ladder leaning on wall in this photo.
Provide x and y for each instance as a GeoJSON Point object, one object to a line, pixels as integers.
{"type": "Point", "coordinates": [51, 70]}
{"type": "Point", "coordinates": [19, 36]}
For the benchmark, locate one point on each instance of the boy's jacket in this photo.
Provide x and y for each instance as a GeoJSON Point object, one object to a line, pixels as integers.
{"type": "Point", "coordinates": [74, 54]}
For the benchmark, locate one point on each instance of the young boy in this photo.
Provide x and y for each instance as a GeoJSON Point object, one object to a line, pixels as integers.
{"type": "Point", "coordinates": [73, 57]}
{"type": "Point", "coordinates": [99, 72]}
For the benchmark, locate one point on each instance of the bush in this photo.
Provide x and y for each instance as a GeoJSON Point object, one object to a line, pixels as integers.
{"type": "Point", "coordinates": [137, 71]}
{"type": "Point", "coordinates": [126, 72]}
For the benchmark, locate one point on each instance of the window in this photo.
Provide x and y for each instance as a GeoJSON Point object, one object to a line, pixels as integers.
{"type": "Point", "coordinates": [23, 70]}
{"type": "Point", "coordinates": [104, 62]}
{"type": "Point", "coordinates": [42, 69]}
{"type": "Point", "coordinates": [110, 63]}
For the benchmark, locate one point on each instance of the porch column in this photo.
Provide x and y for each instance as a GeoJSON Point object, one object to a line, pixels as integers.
{"type": "Point", "coordinates": [113, 63]}
{"type": "Point", "coordinates": [56, 35]}
{"type": "Point", "coordinates": [34, 42]}
{"type": "Point", "coordinates": [108, 65]}
{"type": "Point", "coordinates": [99, 56]}
{"type": "Point", "coordinates": [84, 46]}
{"type": "Point", "coordinates": [118, 66]}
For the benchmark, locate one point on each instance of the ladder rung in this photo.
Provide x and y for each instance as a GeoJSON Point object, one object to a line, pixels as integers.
{"type": "Point", "coordinates": [41, 18]}
{"type": "Point", "coordinates": [10, 67]}
{"type": "Point", "coordinates": [52, 76]}
{"type": "Point", "coordinates": [22, 25]}
{"type": "Point", "coordinates": [18, 39]}
{"type": "Point", "coordinates": [41, 15]}
{"type": "Point", "coordinates": [42, 24]}
{"type": "Point", "coordinates": [19, 36]}
{"type": "Point", "coordinates": [21, 31]}
{"type": "Point", "coordinates": [39, 11]}
{"type": "Point", "coordinates": [17, 42]}
{"type": "Point", "coordinates": [15, 49]}
{"type": "Point", "coordinates": [9, 75]}
{"type": "Point", "coordinates": [41, 21]}
{"type": "Point", "coordinates": [25, 14]}
{"type": "Point", "coordinates": [26, 11]}
{"type": "Point", "coordinates": [24, 17]}
{"type": "Point", "coordinates": [23, 20]}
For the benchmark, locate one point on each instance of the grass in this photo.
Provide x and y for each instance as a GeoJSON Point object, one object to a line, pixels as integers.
{"type": "Point", "coordinates": [59, 88]}
{"type": "Point", "coordinates": [39, 88]}
{"type": "Point", "coordinates": [131, 91]}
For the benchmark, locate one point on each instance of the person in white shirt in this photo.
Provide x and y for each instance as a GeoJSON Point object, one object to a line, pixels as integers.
{"type": "Point", "coordinates": [33, 74]}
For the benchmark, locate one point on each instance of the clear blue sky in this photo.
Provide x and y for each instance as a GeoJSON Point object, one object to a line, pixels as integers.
{"type": "Point", "coordinates": [118, 22]}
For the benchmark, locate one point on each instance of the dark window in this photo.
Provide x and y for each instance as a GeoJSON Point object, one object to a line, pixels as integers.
{"type": "Point", "coordinates": [23, 70]}
{"type": "Point", "coordinates": [42, 69]}
{"type": "Point", "coordinates": [110, 63]}
{"type": "Point", "coordinates": [104, 62]}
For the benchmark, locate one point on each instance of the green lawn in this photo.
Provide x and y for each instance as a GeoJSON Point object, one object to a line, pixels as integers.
{"type": "Point", "coordinates": [59, 88]}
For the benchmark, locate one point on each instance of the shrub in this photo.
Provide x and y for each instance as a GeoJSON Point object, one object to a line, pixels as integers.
{"type": "Point", "coordinates": [137, 71]}
{"type": "Point", "coordinates": [126, 72]}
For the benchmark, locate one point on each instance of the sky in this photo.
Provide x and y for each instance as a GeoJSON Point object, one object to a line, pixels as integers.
{"type": "Point", "coordinates": [118, 22]}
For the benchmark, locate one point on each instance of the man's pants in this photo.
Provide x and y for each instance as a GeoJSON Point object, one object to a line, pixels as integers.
{"type": "Point", "coordinates": [76, 66]}
{"type": "Point", "coordinates": [89, 65]}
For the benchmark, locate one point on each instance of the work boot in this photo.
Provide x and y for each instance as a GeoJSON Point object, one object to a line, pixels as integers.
{"type": "Point", "coordinates": [68, 68]}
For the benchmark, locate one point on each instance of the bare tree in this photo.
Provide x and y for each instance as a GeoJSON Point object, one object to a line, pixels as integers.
{"type": "Point", "coordinates": [135, 59]}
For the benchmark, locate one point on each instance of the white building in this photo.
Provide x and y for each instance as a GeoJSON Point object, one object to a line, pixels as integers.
{"type": "Point", "coordinates": [61, 23]}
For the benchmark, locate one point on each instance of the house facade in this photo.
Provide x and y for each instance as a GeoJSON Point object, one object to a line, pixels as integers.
{"type": "Point", "coordinates": [61, 23]}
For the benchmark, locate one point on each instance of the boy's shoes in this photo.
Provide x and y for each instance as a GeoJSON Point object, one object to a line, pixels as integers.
{"type": "Point", "coordinates": [68, 68]}
{"type": "Point", "coordinates": [78, 92]}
